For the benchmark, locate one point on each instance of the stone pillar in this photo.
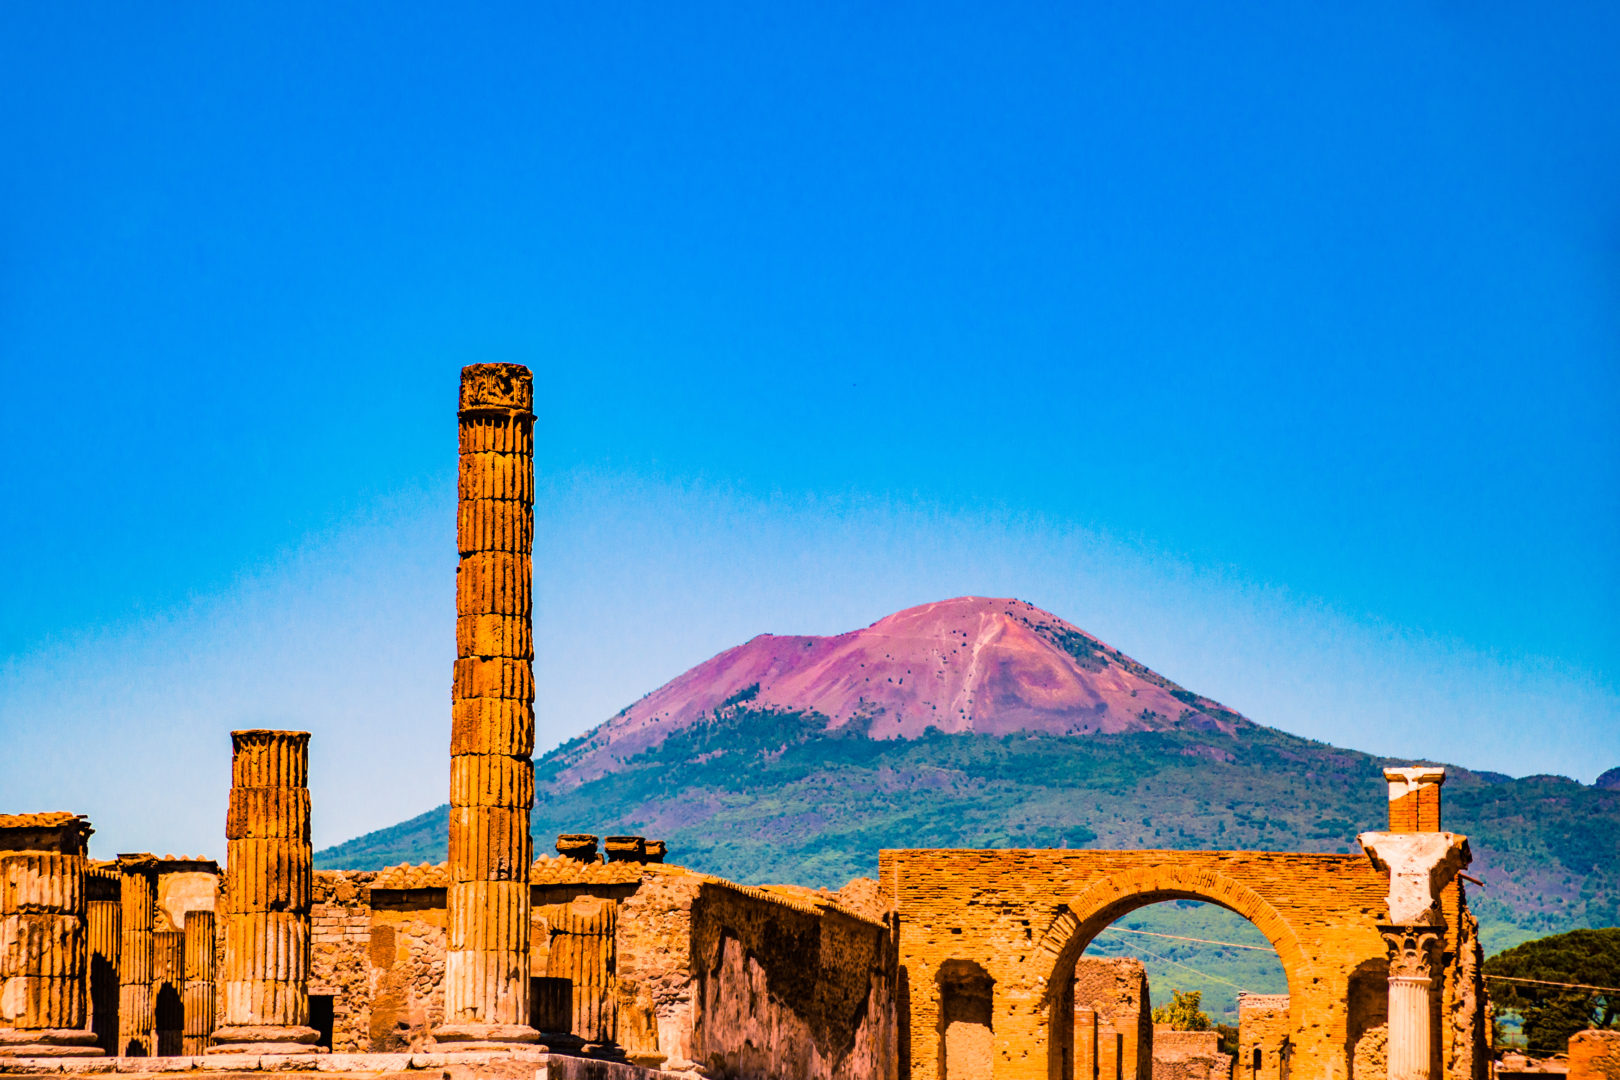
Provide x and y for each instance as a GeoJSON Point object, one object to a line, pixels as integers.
{"type": "Point", "coordinates": [1110, 1053]}
{"type": "Point", "coordinates": [104, 889]}
{"type": "Point", "coordinates": [137, 910]}
{"type": "Point", "coordinates": [268, 872]}
{"type": "Point", "coordinates": [486, 997]}
{"type": "Point", "coordinates": [1414, 798]}
{"type": "Point", "coordinates": [1420, 865]}
{"type": "Point", "coordinates": [1414, 955]}
{"type": "Point", "coordinates": [199, 975]}
{"type": "Point", "coordinates": [42, 936]}
{"type": "Point", "coordinates": [1085, 1043]}
{"type": "Point", "coordinates": [168, 986]}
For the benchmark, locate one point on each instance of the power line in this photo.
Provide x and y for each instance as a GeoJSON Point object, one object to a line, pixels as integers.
{"type": "Point", "coordinates": [1201, 941]}
{"type": "Point", "coordinates": [1544, 982]}
{"type": "Point", "coordinates": [1195, 971]}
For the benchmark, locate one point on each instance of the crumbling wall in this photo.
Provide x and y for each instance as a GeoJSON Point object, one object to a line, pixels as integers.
{"type": "Point", "coordinates": [405, 953]}
{"type": "Point", "coordinates": [1189, 1055]}
{"type": "Point", "coordinates": [1117, 988]}
{"type": "Point", "coordinates": [655, 961]}
{"type": "Point", "coordinates": [1263, 1036]}
{"type": "Point", "coordinates": [789, 989]}
{"type": "Point", "coordinates": [340, 942]}
{"type": "Point", "coordinates": [1594, 1055]}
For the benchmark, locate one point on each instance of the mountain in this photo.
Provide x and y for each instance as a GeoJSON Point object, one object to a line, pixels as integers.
{"type": "Point", "coordinates": [991, 723]}
{"type": "Point", "coordinates": [991, 667]}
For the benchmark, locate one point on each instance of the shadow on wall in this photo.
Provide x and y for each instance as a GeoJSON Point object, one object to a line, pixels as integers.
{"type": "Point", "coordinates": [966, 996]}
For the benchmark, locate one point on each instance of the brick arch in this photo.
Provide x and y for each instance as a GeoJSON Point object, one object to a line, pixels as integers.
{"type": "Point", "coordinates": [1096, 907]}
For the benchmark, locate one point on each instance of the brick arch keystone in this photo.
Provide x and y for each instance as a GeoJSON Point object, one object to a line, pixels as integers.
{"type": "Point", "coordinates": [1088, 913]}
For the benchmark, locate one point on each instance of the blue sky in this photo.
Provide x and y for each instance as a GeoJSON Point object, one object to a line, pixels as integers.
{"type": "Point", "coordinates": [1278, 345]}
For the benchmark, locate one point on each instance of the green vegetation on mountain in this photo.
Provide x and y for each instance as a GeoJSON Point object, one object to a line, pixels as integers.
{"type": "Point", "coordinates": [760, 794]}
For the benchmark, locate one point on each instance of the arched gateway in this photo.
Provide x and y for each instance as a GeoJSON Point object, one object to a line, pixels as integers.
{"type": "Point", "coordinates": [1024, 916]}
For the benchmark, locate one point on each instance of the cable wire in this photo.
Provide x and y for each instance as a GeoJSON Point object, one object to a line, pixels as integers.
{"type": "Point", "coordinates": [1201, 941]}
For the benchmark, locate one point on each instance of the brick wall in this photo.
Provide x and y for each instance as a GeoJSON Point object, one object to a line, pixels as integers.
{"type": "Point", "coordinates": [1026, 915]}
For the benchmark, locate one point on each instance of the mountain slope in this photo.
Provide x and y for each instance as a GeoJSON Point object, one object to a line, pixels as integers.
{"type": "Point", "coordinates": [969, 664]}
{"type": "Point", "coordinates": [743, 781]}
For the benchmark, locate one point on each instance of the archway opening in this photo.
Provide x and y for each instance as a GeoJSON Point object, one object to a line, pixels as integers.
{"type": "Point", "coordinates": [1176, 988]}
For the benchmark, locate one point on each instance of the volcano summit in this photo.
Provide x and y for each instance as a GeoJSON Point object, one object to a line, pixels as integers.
{"type": "Point", "coordinates": [990, 667]}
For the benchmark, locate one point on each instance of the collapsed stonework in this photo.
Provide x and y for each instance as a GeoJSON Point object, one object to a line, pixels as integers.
{"type": "Point", "coordinates": [650, 963]}
{"type": "Point", "coordinates": [605, 962]}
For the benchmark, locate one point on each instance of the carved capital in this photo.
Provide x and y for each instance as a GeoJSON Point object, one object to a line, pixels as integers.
{"type": "Point", "coordinates": [1419, 865]}
{"type": "Point", "coordinates": [505, 387]}
{"type": "Point", "coordinates": [1414, 951]}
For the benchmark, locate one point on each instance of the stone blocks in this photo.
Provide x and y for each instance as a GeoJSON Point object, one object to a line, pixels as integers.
{"type": "Point", "coordinates": [264, 985]}
{"type": "Point", "coordinates": [43, 951]}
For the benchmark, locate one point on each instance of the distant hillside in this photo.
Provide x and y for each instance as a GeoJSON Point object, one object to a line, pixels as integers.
{"type": "Point", "coordinates": [760, 789]}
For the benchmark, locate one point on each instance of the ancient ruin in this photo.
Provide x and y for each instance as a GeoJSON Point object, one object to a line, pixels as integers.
{"type": "Point", "coordinates": [492, 709]}
{"type": "Point", "coordinates": [607, 959]}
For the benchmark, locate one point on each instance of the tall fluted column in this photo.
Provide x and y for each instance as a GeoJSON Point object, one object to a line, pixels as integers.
{"type": "Point", "coordinates": [138, 909]}
{"type": "Point", "coordinates": [486, 999]}
{"type": "Point", "coordinates": [103, 887]}
{"type": "Point", "coordinates": [42, 936]}
{"type": "Point", "coordinates": [199, 991]}
{"type": "Point", "coordinates": [268, 872]}
{"type": "Point", "coordinates": [1414, 953]}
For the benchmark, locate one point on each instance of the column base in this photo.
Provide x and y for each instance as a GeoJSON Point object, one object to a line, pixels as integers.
{"type": "Point", "coordinates": [455, 1038]}
{"type": "Point", "coordinates": [48, 1042]}
{"type": "Point", "coordinates": [266, 1039]}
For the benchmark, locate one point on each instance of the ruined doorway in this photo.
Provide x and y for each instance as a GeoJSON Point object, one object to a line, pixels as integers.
{"type": "Point", "coordinates": [966, 1036]}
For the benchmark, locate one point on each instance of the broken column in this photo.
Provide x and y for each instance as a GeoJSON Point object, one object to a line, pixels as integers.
{"type": "Point", "coordinates": [168, 987]}
{"type": "Point", "coordinates": [1420, 864]}
{"type": "Point", "coordinates": [43, 953]}
{"type": "Point", "coordinates": [1414, 798]}
{"type": "Point", "coordinates": [137, 887]}
{"type": "Point", "coordinates": [199, 976]}
{"type": "Point", "coordinates": [268, 872]}
{"type": "Point", "coordinates": [486, 999]}
{"type": "Point", "coordinates": [104, 921]}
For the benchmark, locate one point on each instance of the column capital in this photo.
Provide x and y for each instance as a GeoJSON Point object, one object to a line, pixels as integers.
{"type": "Point", "coordinates": [499, 387]}
{"type": "Point", "coordinates": [1414, 951]}
{"type": "Point", "coordinates": [1420, 865]}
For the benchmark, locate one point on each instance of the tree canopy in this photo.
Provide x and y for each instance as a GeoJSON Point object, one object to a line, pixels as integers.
{"type": "Point", "coordinates": [1183, 1012]}
{"type": "Point", "coordinates": [1552, 1013]}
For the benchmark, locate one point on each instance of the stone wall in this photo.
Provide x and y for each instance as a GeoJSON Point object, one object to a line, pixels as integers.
{"type": "Point", "coordinates": [671, 967]}
{"type": "Point", "coordinates": [788, 988]}
{"type": "Point", "coordinates": [1594, 1055]}
{"type": "Point", "coordinates": [1263, 1037]}
{"type": "Point", "coordinates": [1188, 1055]}
{"type": "Point", "coordinates": [340, 936]}
{"type": "Point", "coordinates": [1117, 989]}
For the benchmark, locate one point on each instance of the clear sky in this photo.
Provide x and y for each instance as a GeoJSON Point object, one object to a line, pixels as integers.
{"type": "Point", "coordinates": [1276, 344]}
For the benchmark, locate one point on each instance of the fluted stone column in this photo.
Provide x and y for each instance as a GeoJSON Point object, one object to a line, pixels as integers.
{"type": "Point", "coordinates": [168, 986]}
{"type": "Point", "coordinates": [1420, 865]}
{"type": "Point", "coordinates": [137, 911]}
{"type": "Point", "coordinates": [199, 975]}
{"type": "Point", "coordinates": [268, 873]}
{"type": "Point", "coordinates": [43, 953]}
{"type": "Point", "coordinates": [104, 921]}
{"type": "Point", "coordinates": [1414, 955]}
{"type": "Point", "coordinates": [486, 998]}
